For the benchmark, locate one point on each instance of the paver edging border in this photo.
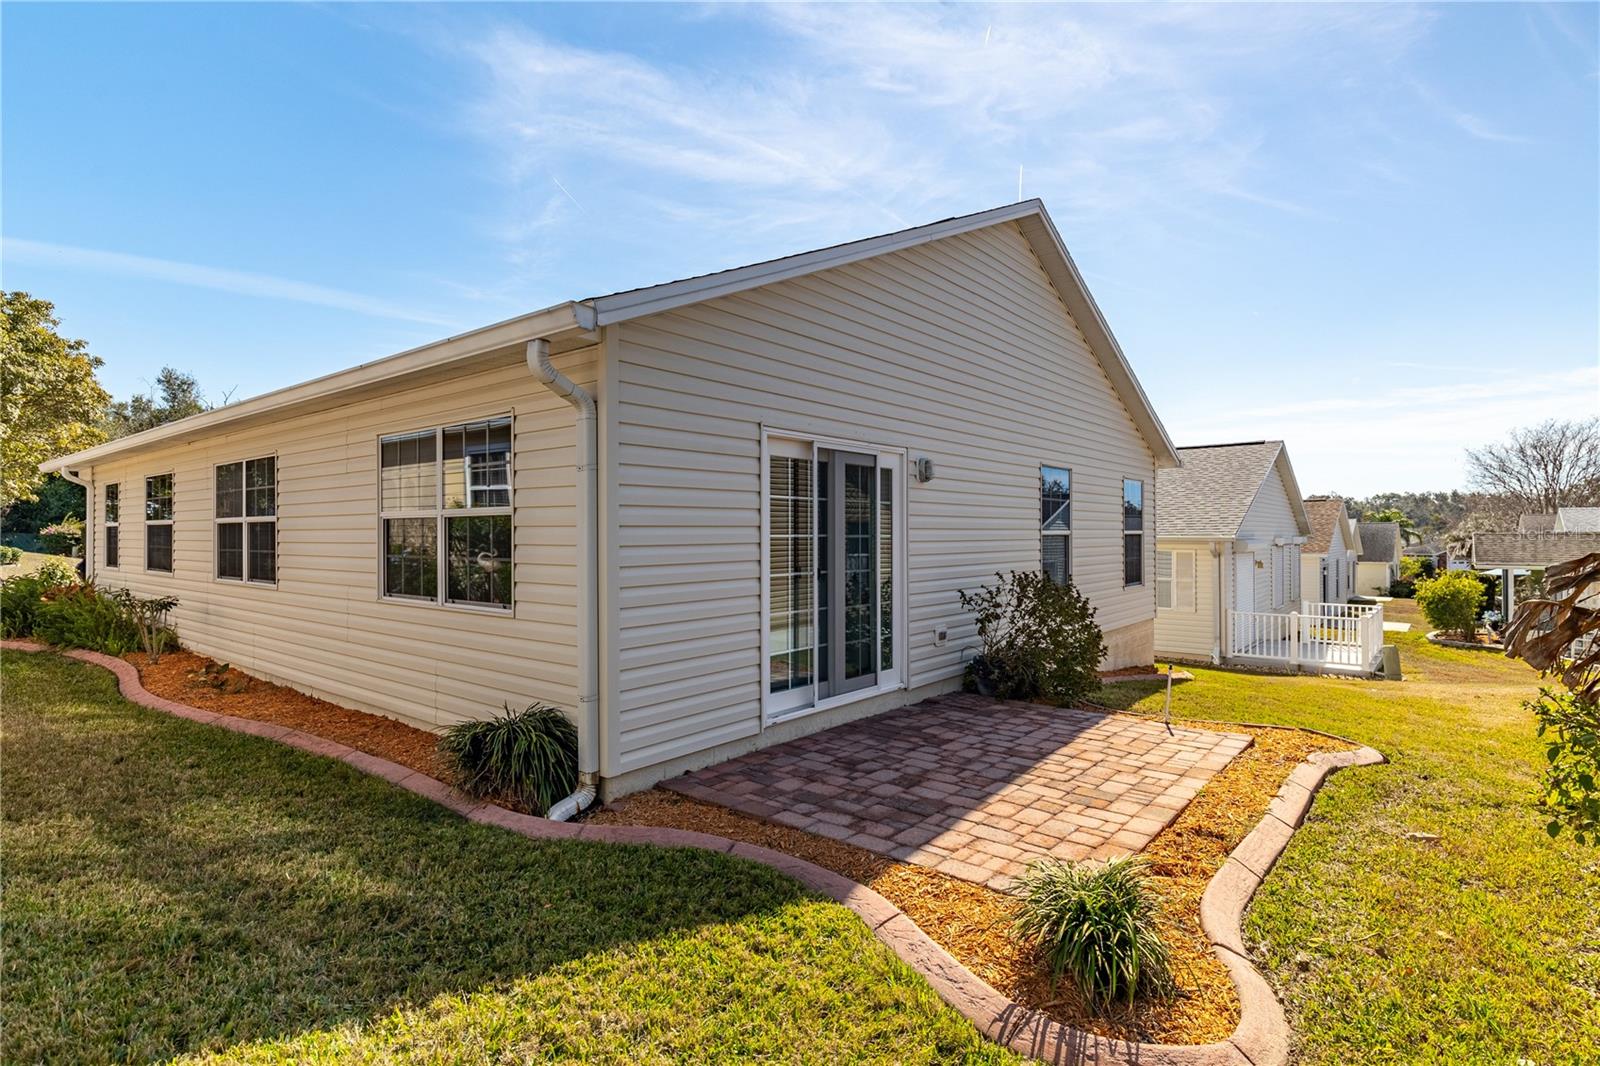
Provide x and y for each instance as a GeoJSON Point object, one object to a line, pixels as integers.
{"type": "Point", "coordinates": [1437, 637]}
{"type": "Point", "coordinates": [1261, 1038]}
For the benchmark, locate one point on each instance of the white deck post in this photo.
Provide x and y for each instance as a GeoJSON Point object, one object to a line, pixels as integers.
{"type": "Point", "coordinates": [1294, 639]}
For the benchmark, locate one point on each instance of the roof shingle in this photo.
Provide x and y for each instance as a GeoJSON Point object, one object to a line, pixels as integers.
{"type": "Point", "coordinates": [1207, 497]}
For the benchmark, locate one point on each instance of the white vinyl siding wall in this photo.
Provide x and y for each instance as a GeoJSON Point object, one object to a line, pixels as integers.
{"type": "Point", "coordinates": [323, 629]}
{"type": "Point", "coordinates": [1182, 632]}
{"type": "Point", "coordinates": [1271, 518]}
{"type": "Point", "coordinates": [957, 350]}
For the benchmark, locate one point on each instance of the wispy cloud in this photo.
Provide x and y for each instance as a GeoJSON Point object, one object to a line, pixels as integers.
{"type": "Point", "coordinates": [239, 282]}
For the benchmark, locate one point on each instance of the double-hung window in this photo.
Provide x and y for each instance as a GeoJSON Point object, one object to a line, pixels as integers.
{"type": "Point", "coordinates": [247, 521]}
{"type": "Point", "coordinates": [445, 511]}
{"type": "Point", "coordinates": [1175, 584]}
{"type": "Point", "coordinates": [1132, 532]}
{"type": "Point", "coordinates": [113, 513]}
{"type": "Point", "coordinates": [158, 523]}
{"type": "Point", "coordinates": [1055, 522]}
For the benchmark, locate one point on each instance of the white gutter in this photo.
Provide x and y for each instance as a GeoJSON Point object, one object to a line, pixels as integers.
{"type": "Point", "coordinates": [1222, 607]}
{"type": "Point", "coordinates": [588, 468]}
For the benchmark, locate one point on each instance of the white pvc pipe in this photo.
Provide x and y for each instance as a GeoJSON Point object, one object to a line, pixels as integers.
{"type": "Point", "coordinates": [588, 477]}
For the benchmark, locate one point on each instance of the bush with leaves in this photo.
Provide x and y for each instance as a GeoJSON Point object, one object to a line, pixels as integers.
{"type": "Point", "coordinates": [528, 756]}
{"type": "Point", "coordinates": [1571, 725]}
{"type": "Point", "coordinates": [149, 618]}
{"type": "Point", "coordinates": [22, 596]}
{"type": "Point", "coordinates": [60, 538]}
{"type": "Point", "coordinates": [9, 555]}
{"type": "Point", "coordinates": [1038, 638]}
{"type": "Point", "coordinates": [1452, 602]}
{"type": "Point", "coordinates": [1096, 923]}
{"type": "Point", "coordinates": [80, 616]}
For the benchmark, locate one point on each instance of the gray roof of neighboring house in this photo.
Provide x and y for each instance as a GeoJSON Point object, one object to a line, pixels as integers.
{"type": "Point", "coordinates": [1325, 512]}
{"type": "Point", "coordinates": [1578, 519]}
{"type": "Point", "coordinates": [1536, 523]}
{"type": "Point", "coordinates": [1380, 541]}
{"type": "Point", "coordinates": [1492, 551]}
{"type": "Point", "coordinates": [1210, 494]}
{"type": "Point", "coordinates": [1427, 547]}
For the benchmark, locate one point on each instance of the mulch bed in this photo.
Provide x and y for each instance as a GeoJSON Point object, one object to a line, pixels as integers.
{"type": "Point", "coordinates": [212, 686]}
{"type": "Point", "coordinates": [1130, 671]}
{"type": "Point", "coordinates": [973, 923]}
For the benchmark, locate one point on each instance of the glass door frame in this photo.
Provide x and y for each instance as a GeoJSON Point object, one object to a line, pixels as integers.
{"type": "Point", "coordinates": [779, 707]}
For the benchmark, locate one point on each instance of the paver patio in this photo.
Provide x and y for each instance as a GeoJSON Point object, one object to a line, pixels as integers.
{"type": "Point", "coordinates": [974, 787]}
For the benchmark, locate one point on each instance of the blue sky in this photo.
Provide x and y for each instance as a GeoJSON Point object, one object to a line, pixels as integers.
{"type": "Point", "coordinates": [1369, 230]}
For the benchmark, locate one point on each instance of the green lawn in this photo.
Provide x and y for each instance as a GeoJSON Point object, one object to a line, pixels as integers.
{"type": "Point", "coordinates": [175, 890]}
{"type": "Point", "coordinates": [1481, 948]}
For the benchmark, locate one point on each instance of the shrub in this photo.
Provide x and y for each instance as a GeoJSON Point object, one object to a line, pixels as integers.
{"type": "Point", "coordinates": [1572, 763]}
{"type": "Point", "coordinates": [1038, 639]}
{"type": "Point", "coordinates": [80, 616]}
{"type": "Point", "coordinates": [1452, 602]}
{"type": "Point", "coordinates": [1412, 567]}
{"type": "Point", "coordinates": [9, 555]}
{"type": "Point", "coordinates": [149, 618]}
{"type": "Point", "coordinates": [1403, 589]}
{"type": "Point", "coordinates": [1096, 923]}
{"type": "Point", "coordinates": [61, 537]}
{"type": "Point", "coordinates": [21, 597]}
{"type": "Point", "coordinates": [530, 756]}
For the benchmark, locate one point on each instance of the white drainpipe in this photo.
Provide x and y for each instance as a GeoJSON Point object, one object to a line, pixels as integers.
{"type": "Point", "coordinates": [88, 520]}
{"type": "Point", "coordinates": [1223, 604]}
{"type": "Point", "coordinates": [588, 467]}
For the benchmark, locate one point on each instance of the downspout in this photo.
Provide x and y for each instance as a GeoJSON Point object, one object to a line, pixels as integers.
{"type": "Point", "coordinates": [1222, 607]}
{"type": "Point", "coordinates": [588, 470]}
{"type": "Point", "coordinates": [88, 520]}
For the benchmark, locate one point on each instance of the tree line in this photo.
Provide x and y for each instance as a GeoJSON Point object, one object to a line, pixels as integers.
{"type": "Point", "coordinates": [52, 404]}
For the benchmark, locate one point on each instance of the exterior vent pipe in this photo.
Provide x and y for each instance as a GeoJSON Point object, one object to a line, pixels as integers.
{"type": "Point", "coordinates": [588, 469]}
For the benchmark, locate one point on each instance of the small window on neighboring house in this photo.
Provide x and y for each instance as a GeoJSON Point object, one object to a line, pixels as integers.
{"type": "Point", "coordinates": [445, 509]}
{"type": "Point", "coordinates": [1175, 584]}
{"type": "Point", "coordinates": [247, 521]}
{"type": "Point", "coordinates": [158, 523]}
{"type": "Point", "coordinates": [1132, 532]}
{"type": "Point", "coordinates": [1055, 522]}
{"type": "Point", "coordinates": [113, 521]}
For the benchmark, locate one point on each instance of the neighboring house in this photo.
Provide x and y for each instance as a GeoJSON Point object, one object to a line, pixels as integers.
{"type": "Point", "coordinates": [1378, 560]}
{"type": "Point", "coordinates": [1532, 553]}
{"type": "Point", "coordinates": [1429, 551]}
{"type": "Point", "coordinates": [1328, 559]}
{"type": "Point", "coordinates": [1228, 536]}
{"type": "Point", "coordinates": [1577, 520]}
{"type": "Point", "coordinates": [1536, 523]}
{"type": "Point", "coordinates": [700, 517]}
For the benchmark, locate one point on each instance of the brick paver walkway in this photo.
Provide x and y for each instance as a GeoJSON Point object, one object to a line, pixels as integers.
{"type": "Point", "coordinates": [974, 787]}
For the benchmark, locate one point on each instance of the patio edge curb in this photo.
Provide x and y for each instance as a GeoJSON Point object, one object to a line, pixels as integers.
{"type": "Point", "coordinates": [1262, 1037]}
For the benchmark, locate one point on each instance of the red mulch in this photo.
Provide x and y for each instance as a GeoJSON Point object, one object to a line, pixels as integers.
{"type": "Point", "coordinates": [212, 686]}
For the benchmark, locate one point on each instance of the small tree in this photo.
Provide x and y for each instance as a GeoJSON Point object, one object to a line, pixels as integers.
{"type": "Point", "coordinates": [1451, 602]}
{"type": "Point", "coordinates": [1039, 638]}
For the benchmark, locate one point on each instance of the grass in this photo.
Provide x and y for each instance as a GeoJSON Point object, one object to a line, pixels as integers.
{"type": "Point", "coordinates": [172, 890]}
{"type": "Point", "coordinates": [32, 561]}
{"type": "Point", "coordinates": [1481, 947]}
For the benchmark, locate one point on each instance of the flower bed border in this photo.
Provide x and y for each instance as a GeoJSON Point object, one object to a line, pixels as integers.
{"type": "Point", "coordinates": [1261, 1039]}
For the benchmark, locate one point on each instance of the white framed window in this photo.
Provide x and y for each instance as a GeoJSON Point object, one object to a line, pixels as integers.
{"type": "Point", "coordinates": [1055, 523]}
{"type": "Point", "coordinates": [113, 522]}
{"type": "Point", "coordinates": [246, 519]}
{"type": "Point", "coordinates": [158, 523]}
{"type": "Point", "coordinates": [1132, 532]}
{"type": "Point", "coordinates": [832, 555]}
{"type": "Point", "coordinates": [445, 516]}
{"type": "Point", "coordinates": [1175, 580]}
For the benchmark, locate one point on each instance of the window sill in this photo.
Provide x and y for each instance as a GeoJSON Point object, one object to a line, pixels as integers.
{"type": "Point", "coordinates": [507, 611]}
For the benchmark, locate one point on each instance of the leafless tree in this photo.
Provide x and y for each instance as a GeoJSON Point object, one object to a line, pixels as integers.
{"type": "Point", "coordinates": [1554, 464]}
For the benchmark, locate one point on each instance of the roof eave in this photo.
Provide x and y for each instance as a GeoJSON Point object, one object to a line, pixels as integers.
{"type": "Point", "coordinates": [566, 320]}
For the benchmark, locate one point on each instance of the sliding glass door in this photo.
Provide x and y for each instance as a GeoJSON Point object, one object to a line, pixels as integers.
{"type": "Point", "coordinates": [831, 573]}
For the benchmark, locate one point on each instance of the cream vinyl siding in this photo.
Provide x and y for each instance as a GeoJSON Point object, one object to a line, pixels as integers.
{"type": "Point", "coordinates": [958, 350]}
{"type": "Point", "coordinates": [1270, 518]}
{"type": "Point", "coordinates": [323, 629]}
{"type": "Point", "coordinates": [1190, 634]}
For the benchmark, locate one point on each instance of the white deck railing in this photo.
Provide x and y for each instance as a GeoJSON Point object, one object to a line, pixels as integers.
{"type": "Point", "coordinates": [1342, 636]}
